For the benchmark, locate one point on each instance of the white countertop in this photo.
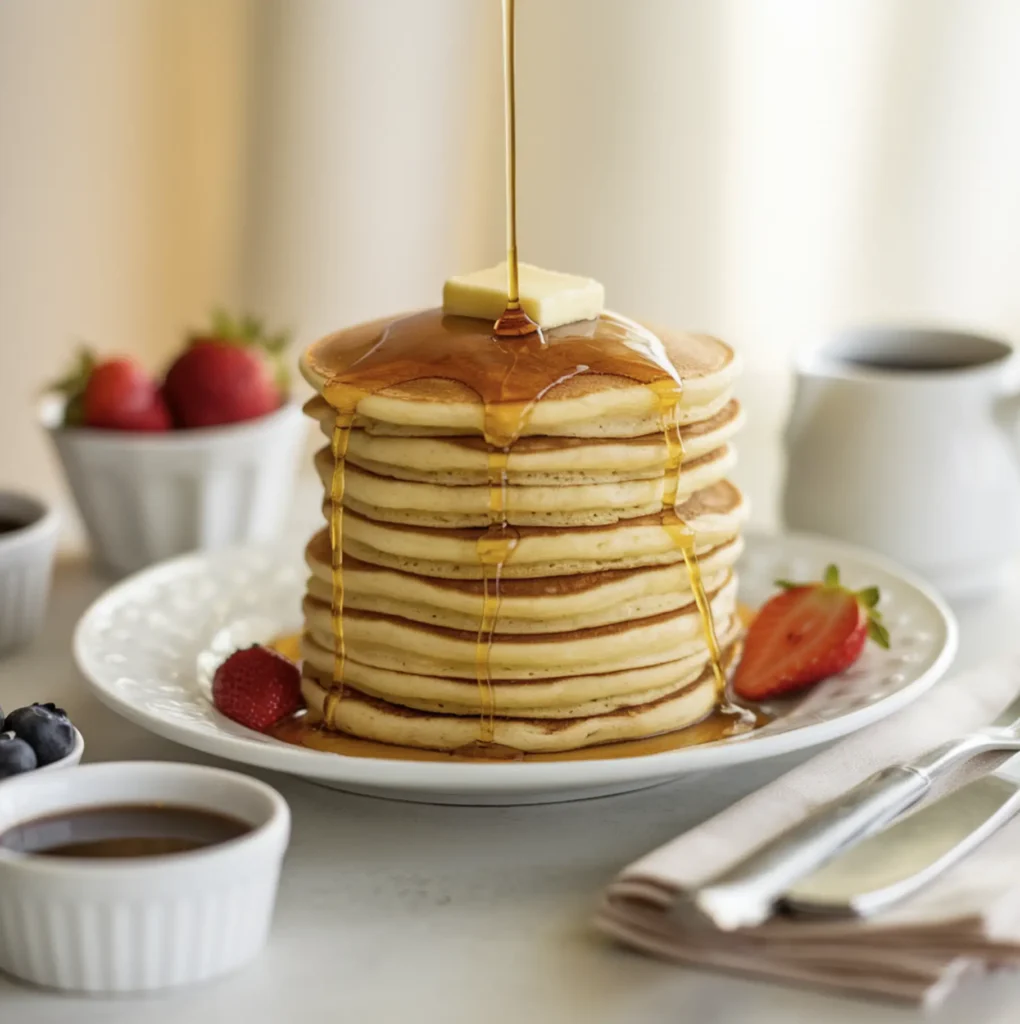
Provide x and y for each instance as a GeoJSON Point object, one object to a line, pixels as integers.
{"type": "Point", "coordinates": [392, 911]}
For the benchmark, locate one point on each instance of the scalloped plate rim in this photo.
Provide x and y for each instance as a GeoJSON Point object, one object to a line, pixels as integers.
{"type": "Point", "coordinates": [574, 777]}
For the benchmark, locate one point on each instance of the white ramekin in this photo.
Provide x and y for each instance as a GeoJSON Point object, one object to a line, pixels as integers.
{"type": "Point", "coordinates": [26, 568]}
{"type": "Point", "coordinates": [147, 923]}
{"type": "Point", "coordinates": [146, 497]}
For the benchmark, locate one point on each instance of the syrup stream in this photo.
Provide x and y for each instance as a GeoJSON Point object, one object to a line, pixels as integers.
{"type": "Point", "coordinates": [668, 393]}
{"type": "Point", "coordinates": [510, 126]}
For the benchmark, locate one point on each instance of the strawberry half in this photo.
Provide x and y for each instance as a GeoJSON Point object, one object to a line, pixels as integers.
{"type": "Point", "coordinates": [256, 687]}
{"type": "Point", "coordinates": [807, 633]}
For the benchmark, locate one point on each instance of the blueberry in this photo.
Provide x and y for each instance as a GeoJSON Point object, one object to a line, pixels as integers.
{"type": "Point", "coordinates": [46, 729]}
{"type": "Point", "coordinates": [16, 756]}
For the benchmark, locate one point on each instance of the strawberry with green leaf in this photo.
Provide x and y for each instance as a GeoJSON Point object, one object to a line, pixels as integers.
{"type": "Point", "coordinates": [111, 394]}
{"type": "Point", "coordinates": [230, 373]}
{"type": "Point", "coordinates": [805, 634]}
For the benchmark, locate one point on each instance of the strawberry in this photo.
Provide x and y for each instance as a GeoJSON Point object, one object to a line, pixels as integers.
{"type": "Point", "coordinates": [256, 687]}
{"type": "Point", "coordinates": [809, 632]}
{"type": "Point", "coordinates": [114, 394]}
{"type": "Point", "coordinates": [232, 373]}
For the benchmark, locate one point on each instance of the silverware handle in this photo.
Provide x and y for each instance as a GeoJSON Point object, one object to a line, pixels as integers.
{"type": "Point", "coordinates": [746, 894]}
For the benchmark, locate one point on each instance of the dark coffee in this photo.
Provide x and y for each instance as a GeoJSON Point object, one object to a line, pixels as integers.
{"type": "Point", "coordinates": [130, 830]}
{"type": "Point", "coordinates": [911, 364]}
{"type": "Point", "coordinates": [9, 525]}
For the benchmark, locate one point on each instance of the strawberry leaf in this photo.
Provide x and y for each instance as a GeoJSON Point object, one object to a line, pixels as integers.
{"type": "Point", "coordinates": [74, 411]}
{"type": "Point", "coordinates": [72, 386]}
{"type": "Point", "coordinates": [250, 331]}
{"type": "Point", "coordinates": [276, 343]}
{"type": "Point", "coordinates": [75, 380]}
{"type": "Point", "coordinates": [222, 324]}
{"type": "Point", "coordinates": [831, 577]}
{"type": "Point", "coordinates": [878, 633]}
{"type": "Point", "coordinates": [869, 596]}
{"type": "Point", "coordinates": [787, 584]}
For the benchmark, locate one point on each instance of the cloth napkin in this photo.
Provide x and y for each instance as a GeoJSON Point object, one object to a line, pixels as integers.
{"type": "Point", "coordinates": [965, 923]}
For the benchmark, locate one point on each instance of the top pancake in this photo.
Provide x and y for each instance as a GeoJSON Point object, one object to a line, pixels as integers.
{"type": "Point", "coordinates": [587, 405]}
{"type": "Point", "coordinates": [532, 460]}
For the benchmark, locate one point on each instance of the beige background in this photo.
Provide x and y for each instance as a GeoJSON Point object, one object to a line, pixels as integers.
{"type": "Point", "coordinates": [764, 169]}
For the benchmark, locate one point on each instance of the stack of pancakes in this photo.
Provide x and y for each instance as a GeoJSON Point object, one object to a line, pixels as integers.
{"type": "Point", "coordinates": [597, 636]}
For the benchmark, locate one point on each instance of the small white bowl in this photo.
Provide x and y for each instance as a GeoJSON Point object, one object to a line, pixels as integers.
{"type": "Point", "coordinates": [26, 568]}
{"type": "Point", "coordinates": [147, 497]}
{"type": "Point", "coordinates": [140, 924]}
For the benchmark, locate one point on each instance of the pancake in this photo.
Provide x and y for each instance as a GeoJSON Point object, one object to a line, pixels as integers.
{"type": "Point", "coordinates": [532, 460]}
{"type": "Point", "coordinates": [575, 710]}
{"type": "Point", "coordinates": [641, 608]}
{"type": "Point", "coordinates": [589, 405]}
{"type": "Point", "coordinates": [550, 604]}
{"type": "Point", "coordinates": [580, 504]}
{"type": "Point", "coordinates": [373, 719]}
{"type": "Point", "coordinates": [638, 608]}
{"type": "Point", "coordinates": [388, 641]}
{"type": "Point", "coordinates": [555, 697]}
{"type": "Point", "coordinates": [366, 642]}
{"type": "Point", "coordinates": [713, 515]}
{"type": "Point", "coordinates": [520, 599]}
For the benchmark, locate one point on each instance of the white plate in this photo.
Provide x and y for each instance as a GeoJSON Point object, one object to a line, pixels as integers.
{"type": "Point", "coordinates": [146, 643]}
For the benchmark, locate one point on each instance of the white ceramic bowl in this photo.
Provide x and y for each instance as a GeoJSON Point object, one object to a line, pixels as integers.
{"type": "Point", "coordinates": [134, 925]}
{"type": "Point", "coordinates": [26, 568]}
{"type": "Point", "coordinates": [146, 497]}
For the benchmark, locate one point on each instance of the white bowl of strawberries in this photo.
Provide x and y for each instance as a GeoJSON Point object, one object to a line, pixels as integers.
{"type": "Point", "coordinates": [202, 459]}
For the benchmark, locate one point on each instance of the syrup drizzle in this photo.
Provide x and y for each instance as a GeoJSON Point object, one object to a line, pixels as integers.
{"type": "Point", "coordinates": [510, 368]}
{"type": "Point", "coordinates": [680, 533]}
{"type": "Point", "coordinates": [338, 446]}
{"type": "Point", "coordinates": [494, 549]}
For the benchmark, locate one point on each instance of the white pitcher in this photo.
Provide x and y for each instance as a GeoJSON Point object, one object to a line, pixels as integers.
{"type": "Point", "coordinates": [905, 441]}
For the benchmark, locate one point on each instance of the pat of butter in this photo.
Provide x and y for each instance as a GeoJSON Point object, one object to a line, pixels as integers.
{"type": "Point", "coordinates": [549, 298]}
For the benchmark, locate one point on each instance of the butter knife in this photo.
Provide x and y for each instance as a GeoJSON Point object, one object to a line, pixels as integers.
{"type": "Point", "coordinates": [746, 894]}
{"type": "Point", "coordinates": [912, 852]}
